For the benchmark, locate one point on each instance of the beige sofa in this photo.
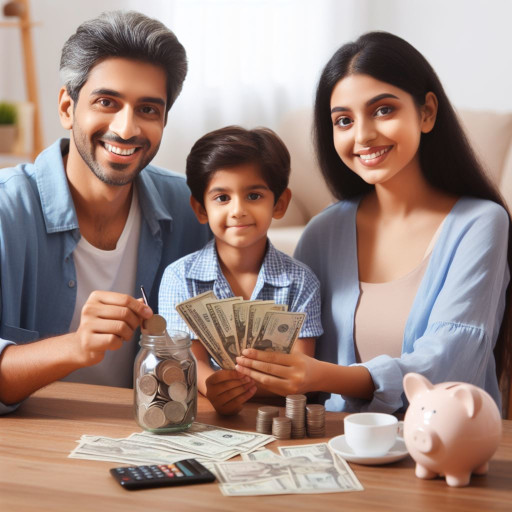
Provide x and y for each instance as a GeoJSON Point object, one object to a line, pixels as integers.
{"type": "Point", "coordinates": [490, 133]}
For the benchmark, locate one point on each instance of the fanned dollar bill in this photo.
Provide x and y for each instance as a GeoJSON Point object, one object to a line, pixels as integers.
{"type": "Point", "coordinates": [255, 316]}
{"type": "Point", "coordinates": [278, 331]}
{"type": "Point", "coordinates": [221, 313]}
{"type": "Point", "coordinates": [228, 326]}
{"type": "Point", "coordinates": [194, 313]}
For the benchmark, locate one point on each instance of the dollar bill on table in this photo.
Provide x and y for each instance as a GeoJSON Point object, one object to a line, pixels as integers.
{"type": "Point", "coordinates": [206, 443]}
{"type": "Point", "coordinates": [228, 326]}
{"type": "Point", "coordinates": [302, 469]}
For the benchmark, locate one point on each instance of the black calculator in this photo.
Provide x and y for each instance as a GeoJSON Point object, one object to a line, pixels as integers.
{"type": "Point", "coordinates": [184, 472]}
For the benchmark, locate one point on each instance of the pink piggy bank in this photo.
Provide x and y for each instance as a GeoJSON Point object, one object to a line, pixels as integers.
{"type": "Point", "coordinates": [450, 429]}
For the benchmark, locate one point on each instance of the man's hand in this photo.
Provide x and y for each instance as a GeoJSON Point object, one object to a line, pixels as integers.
{"type": "Point", "coordinates": [108, 319]}
{"type": "Point", "coordinates": [228, 391]}
{"type": "Point", "coordinates": [283, 374]}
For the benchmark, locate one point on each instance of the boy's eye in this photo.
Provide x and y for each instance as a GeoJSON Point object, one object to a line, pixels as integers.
{"type": "Point", "coordinates": [383, 111]}
{"type": "Point", "coordinates": [343, 122]}
{"type": "Point", "coordinates": [253, 196]}
{"type": "Point", "coordinates": [222, 198]}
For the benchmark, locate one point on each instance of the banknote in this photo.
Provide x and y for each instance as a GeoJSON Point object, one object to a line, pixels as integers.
{"type": "Point", "coordinates": [194, 313]}
{"type": "Point", "coordinates": [255, 316]}
{"type": "Point", "coordinates": [228, 326]}
{"type": "Point", "coordinates": [301, 469]}
{"type": "Point", "coordinates": [206, 443]}
{"type": "Point", "coordinates": [278, 331]}
{"type": "Point", "coordinates": [257, 455]}
{"type": "Point", "coordinates": [221, 313]}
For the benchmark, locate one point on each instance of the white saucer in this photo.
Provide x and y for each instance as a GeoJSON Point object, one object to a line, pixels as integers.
{"type": "Point", "coordinates": [339, 445]}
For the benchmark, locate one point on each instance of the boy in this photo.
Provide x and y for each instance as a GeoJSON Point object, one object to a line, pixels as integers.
{"type": "Point", "coordinates": [238, 179]}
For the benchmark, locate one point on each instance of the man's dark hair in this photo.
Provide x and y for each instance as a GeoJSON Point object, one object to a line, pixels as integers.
{"type": "Point", "coordinates": [125, 34]}
{"type": "Point", "coordinates": [233, 146]}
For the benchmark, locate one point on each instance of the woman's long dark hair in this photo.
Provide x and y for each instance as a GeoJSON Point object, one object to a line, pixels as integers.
{"type": "Point", "coordinates": [447, 160]}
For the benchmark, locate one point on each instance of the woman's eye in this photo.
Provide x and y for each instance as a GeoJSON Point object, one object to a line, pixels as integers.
{"type": "Point", "coordinates": [383, 111]}
{"type": "Point", "coordinates": [148, 110]}
{"type": "Point", "coordinates": [253, 196]}
{"type": "Point", "coordinates": [222, 198]}
{"type": "Point", "coordinates": [343, 122]}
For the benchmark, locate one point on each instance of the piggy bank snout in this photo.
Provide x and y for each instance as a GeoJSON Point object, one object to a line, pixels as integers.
{"type": "Point", "coordinates": [423, 440]}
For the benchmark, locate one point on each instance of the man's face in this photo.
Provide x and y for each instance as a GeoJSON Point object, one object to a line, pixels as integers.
{"type": "Point", "coordinates": [118, 120]}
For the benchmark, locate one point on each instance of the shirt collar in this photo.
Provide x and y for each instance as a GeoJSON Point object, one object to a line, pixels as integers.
{"type": "Point", "coordinates": [57, 202]}
{"type": "Point", "coordinates": [206, 266]}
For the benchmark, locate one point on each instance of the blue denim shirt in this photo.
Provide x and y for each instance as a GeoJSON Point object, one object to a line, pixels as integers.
{"type": "Point", "coordinates": [39, 231]}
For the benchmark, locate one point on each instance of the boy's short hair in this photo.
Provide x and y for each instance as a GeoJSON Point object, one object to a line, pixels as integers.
{"type": "Point", "coordinates": [232, 146]}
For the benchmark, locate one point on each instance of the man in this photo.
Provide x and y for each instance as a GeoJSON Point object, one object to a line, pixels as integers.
{"type": "Point", "coordinates": [91, 214]}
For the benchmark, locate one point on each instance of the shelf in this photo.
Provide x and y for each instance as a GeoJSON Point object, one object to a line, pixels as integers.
{"type": "Point", "coordinates": [19, 24]}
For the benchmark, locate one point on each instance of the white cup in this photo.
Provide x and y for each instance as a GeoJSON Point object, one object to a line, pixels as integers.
{"type": "Point", "coordinates": [371, 434]}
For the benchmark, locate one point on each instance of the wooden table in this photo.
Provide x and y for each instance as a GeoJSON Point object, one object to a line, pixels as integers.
{"type": "Point", "coordinates": [36, 473]}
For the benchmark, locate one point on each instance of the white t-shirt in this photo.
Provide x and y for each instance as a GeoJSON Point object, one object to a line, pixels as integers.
{"type": "Point", "coordinates": [113, 270]}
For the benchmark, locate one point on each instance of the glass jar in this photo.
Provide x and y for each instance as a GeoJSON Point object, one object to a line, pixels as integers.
{"type": "Point", "coordinates": [165, 382]}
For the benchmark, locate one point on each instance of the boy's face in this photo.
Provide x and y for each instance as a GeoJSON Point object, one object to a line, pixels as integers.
{"type": "Point", "coordinates": [239, 207]}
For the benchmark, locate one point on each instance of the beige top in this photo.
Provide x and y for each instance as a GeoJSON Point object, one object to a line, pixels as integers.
{"type": "Point", "coordinates": [383, 309]}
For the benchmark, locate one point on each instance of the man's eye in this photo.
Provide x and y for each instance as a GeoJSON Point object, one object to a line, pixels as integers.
{"type": "Point", "coordinates": [343, 122]}
{"type": "Point", "coordinates": [105, 102]}
{"type": "Point", "coordinates": [383, 111]}
{"type": "Point", "coordinates": [253, 196]}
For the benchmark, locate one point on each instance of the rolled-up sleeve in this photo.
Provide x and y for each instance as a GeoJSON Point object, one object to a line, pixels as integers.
{"type": "Point", "coordinates": [5, 409]}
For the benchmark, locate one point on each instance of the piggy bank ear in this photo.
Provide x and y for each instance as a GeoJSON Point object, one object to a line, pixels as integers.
{"type": "Point", "coordinates": [469, 397]}
{"type": "Point", "coordinates": [414, 384]}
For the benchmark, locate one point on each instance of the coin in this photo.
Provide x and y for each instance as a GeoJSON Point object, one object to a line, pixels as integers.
{"type": "Point", "coordinates": [147, 384]}
{"type": "Point", "coordinates": [172, 374]}
{"type": "Point", "coordinates": [264, 419]}
{"type": "Point", "coordinates": [155, 325]}
{"type": "Point", "coordinates": [315, 420]}
{"type": "Point", "coordinates": [154, 416]}
{"type": "Point", "coordinates": [174, 411]}
{"type": "Point", "coordinates": [296, 411]}
{"type": "Point", "coordinates": [178, 391]}
{"type": "Point", "coordinates": [281, 427]}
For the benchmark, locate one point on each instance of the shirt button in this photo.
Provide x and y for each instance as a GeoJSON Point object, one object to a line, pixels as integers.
{"type": "Point", "coordinates": [71, 283]}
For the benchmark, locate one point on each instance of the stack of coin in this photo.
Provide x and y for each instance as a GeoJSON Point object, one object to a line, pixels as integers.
{"type": "Point", "coordinates": [281, 427]}
{"type": "Point", "coordinates": [166, 393]}
{"type": "Point", "coordinates": [264, 419]}
{"type": "Point", "coordinates": [296, 411]}
{"type": "Point", "coordinates": [315, 420]}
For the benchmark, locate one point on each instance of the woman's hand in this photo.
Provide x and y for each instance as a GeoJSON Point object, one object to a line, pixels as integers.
{"type": "Point", "coordinates": [228, 391]}
{"type": "Point", "coordinates": [283, 374]}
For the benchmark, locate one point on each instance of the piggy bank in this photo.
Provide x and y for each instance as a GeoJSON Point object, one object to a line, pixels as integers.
{"type": "Point", "coordinates": [450, 429]}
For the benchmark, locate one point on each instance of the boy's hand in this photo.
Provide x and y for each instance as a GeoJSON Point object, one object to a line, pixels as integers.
{"type": "Point", "coordinates": [283, 374]}
{"type": "Point", "coordinates": [228, 391]}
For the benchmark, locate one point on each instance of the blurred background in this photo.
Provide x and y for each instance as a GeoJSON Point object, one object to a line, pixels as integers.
{"type": "Point", "coordinates": [257, 62]}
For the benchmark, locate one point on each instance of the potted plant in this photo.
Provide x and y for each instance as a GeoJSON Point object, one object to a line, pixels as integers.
{"type": "Point", "coordinates": [8, 115]}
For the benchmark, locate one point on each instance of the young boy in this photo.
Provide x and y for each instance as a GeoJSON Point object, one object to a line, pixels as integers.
{"type": "Point", "coordinates": [238, 179]}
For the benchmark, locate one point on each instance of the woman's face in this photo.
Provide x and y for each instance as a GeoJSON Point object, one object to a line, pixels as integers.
{"type": "Point", "coordinates": [377, 127]}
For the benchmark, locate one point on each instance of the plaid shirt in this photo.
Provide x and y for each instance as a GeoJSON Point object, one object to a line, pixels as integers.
{"type": "Point", "coordinates": [281, 278]}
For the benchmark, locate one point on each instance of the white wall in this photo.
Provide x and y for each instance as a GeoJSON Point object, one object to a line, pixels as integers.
{"type": "Point", "coordinates": [468, 42]}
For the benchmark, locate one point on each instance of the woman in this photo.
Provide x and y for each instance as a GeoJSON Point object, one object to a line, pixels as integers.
{"type": "Point", "coordinates": [414, 259]}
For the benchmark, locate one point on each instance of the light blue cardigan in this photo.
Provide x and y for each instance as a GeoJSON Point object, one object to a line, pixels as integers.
{"type": "Point", "coordinates": [455, 317]}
